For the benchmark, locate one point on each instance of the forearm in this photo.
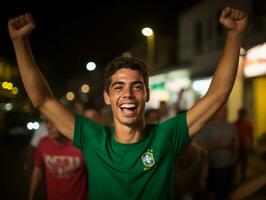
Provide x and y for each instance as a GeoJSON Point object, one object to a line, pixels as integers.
{"type": "Point", "coordinates": [220, 88]}
{"type": "Point", "coordinates": [35, 181]}
{"type": "Point", "coordinates": [234, 21]}
{"type": "Point", "coordinates": [33, 80]}
{"type": "Point", "coordinates": [225, 73]}
{"type": "Point", "coordinates": [247, 189]}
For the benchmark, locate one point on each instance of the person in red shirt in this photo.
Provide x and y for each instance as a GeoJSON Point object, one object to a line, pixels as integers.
{"type": "Point", "coordinates": [244, 128]}
{"type": "Point", "coordinates": [63, 168]}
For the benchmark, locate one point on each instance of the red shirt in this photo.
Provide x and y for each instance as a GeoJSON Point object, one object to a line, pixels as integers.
{"type": "Point", "coordinates": [244, 132]}
{"type": "Point", "coordinates": [64, 170]}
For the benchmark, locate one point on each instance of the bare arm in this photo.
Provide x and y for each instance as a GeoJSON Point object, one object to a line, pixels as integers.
{"type": "Point", "coordinates": [35, 84]}
{"type": "Point", "coordinates": [35, 181]}
{"type": "Point", "coordinates": [249, 188]}
{"type": "Point", "coordinates": [223, 79]}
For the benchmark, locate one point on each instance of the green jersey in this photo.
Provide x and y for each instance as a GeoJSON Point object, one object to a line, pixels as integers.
{"type": "Point", "coordinates": [142, 170]}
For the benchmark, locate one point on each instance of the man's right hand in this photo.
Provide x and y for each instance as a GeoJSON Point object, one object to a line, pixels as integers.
{"type": "Point", "coordinates": [21, 26]}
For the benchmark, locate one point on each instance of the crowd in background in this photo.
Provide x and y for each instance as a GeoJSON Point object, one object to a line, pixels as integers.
{"type": "Point", "coordinates": [207, 167]}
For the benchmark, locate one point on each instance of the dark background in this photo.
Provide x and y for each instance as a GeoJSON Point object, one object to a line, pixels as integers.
{"type": "Point", "coordinates": [71, 33]}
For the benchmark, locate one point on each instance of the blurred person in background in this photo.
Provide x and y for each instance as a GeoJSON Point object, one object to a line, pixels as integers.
{"type": "Point", "coordinates": [192, 173]}
{"type": "Point", "coordinates": [93, 114]}
{"type": "Point", "coordinates": [152, 116]}
{"type": "Point", "coordinates": [245, 135]}
{"type": "Point", "coordinates": [164, 110]}
{"type": "Point", "coordinates": [221, 140]}
{"type": "Point", "coordinates": [61, 166]}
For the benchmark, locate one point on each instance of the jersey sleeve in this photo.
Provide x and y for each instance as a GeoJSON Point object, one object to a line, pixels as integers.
{"type": "Point", "coordinates": [85, 131]}
{"type": "Point", "coordinates": [176, 130]}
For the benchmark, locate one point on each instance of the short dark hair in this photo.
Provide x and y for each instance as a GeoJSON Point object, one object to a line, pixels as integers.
{"type": "Point", "coordinates": [121, 62]}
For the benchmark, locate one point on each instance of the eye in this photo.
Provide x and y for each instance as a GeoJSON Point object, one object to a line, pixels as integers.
{"type": "Point", "coordinates": [118, 87]}
{"type": "Point", "coordinates": [138, 87]}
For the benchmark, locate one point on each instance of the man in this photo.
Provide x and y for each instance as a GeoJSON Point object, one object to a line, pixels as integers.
{"type": "Point", "coordinates": [152, 116]}
{"type": "Point", "coordinates": [244, 129]}
{"type": "Point", "coordinates": [62, 165]}
{"type": "Point", "coordinates": [220, 139]}
{"type": "Point", "coordinates": [192, 173]}
{"type": "Point", "coordinates": [132, 160]}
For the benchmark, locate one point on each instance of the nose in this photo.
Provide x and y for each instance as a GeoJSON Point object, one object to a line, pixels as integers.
{"type": "Point", "coordinates": [128, 92]}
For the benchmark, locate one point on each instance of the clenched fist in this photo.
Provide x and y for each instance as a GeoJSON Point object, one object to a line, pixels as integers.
{"type": "Point", "coordinates": [233, 20]}
{"type": "Point", "coordinates": [21, 26]}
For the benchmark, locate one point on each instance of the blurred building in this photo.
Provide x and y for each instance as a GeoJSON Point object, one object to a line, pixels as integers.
{"type": "Point", "coordinates": [200, 44]}
{"type": "Point", "coordinates": [164, 52]}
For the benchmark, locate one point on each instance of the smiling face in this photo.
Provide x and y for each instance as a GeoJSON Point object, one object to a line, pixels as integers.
{"type": "Point", "coordinates": [127, 95]}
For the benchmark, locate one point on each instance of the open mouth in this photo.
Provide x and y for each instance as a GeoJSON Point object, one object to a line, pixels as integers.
{"type": "Point", "coordinates": [128, 109]}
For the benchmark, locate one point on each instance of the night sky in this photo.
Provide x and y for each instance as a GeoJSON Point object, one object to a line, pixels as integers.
{"type": "Point", "coordinates": [71, 33]}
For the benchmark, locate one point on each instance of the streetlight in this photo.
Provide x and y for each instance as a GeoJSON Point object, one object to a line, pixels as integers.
{"type": "Point", "coordinates": [91, 66]}
{"type": "Point", "coordinates": [148, 32]}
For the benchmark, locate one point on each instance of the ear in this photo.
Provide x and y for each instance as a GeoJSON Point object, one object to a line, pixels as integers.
{"type": "Point", "coordinates": [148, 95]}
{"type": "Point", "coordinates": [106, 97]}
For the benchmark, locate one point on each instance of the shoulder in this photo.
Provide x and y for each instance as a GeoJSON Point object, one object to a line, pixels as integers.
{"type": "Point", "coordinates": [44, 143]}
{"type": "Point", "coordinates": [180, 118]}
{"type": "Point", "coordinates": [81, 120]}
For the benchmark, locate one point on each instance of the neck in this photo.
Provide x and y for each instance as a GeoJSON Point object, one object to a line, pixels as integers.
{"type": "Point", "coordinates": [61, 140]}
{"type": "Point", "coordinates": [128, 134]}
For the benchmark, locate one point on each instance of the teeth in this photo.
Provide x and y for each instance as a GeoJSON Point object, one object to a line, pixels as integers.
{"type": "Point", "coordinates": [128, 105]}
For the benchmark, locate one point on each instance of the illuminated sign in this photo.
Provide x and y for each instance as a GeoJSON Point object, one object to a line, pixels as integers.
{"type": "Point", "coordinates": [255, 61]}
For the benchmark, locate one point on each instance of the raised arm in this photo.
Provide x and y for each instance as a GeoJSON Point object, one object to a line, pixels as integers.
{"type": "Point", "coordinates": [234, 21]}
{"type": "Point", "coordinates": [35, 84]}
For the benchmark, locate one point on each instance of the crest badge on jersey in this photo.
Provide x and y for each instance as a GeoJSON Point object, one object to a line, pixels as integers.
{"type": "Point", "coordinates": [148, 159]}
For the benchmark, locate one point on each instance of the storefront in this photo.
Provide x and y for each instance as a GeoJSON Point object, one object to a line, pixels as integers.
{"type": "Point", "coordinates": [166, 87]}
{"type": "Point", "coordinates": [248, 91]}
{"type": "Point", "coordinates": [255, 86]}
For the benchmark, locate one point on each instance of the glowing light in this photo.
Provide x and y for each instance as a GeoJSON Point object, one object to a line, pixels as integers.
{"type": "Point", "coordinates": [85, 88]}
{"type": "Point", "coordinates": [30, 125]}
{"type": "Point", "coordinates": [33, 125]}
{"type": "Point", "coordinates": [5, 85]}
{"type": "Point", "coordinates": [255, 61]}
{"type": "Point", "coordinates": [8, 106]}
{"type": "Point", "coordinates": [201, 86]}
{"type": "Point", "coordinates": [91, 66]}
{"type": "Point", "coordinates": [147, 31]}
{"type": "Point", "coordinates": [36, 125]}
{"type": "Point", "coordinates": [70, 96]}
{"type": "Point", "coordinates": [14, 90]}
{"type": "Point", "coordinates": [9, 86]}
{"type": "Point", "coordinates": [127, 54]}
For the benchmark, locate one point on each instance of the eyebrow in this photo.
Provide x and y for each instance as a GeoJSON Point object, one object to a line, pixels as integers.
{"type": "Point", "coordinates": [137, 82]}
